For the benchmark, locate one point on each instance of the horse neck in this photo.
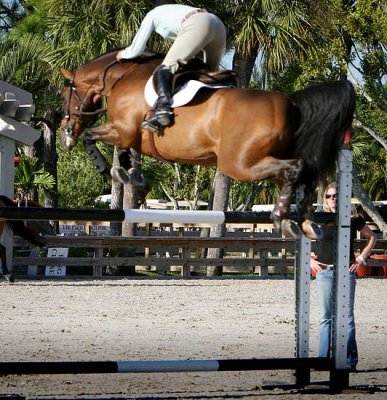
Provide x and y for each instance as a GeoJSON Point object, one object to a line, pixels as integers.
{"type": "Point", "coordinates": [92, 76]}
{"type": "Point", "coordinates": [100, 76]}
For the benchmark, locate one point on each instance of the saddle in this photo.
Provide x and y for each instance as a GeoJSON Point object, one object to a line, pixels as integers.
{"type": "Point", "coordinates": [196, 69]}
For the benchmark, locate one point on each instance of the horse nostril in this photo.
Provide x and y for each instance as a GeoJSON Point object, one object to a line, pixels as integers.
{"type": "Point", "coordinates": [68, 131]}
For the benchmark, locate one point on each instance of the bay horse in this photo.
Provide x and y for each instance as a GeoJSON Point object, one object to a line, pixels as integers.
{"type": "Point", "coordinates": [249, 134]}
{"type": "Point", "coordinates": [19, 229]}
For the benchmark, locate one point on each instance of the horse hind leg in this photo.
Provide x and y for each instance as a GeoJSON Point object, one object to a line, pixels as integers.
{"type": "Point", "coordinates": [309, 227]}
{"type": "Point", "coordinates": [280, 214]}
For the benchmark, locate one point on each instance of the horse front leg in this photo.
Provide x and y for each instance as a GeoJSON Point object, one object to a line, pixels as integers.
{"type": "Point", "coordinates": [126, 172]}
{"type": "Point", "coordinates": [106, 133]}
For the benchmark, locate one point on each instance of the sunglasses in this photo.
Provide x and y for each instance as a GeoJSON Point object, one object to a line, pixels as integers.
{"type": "Point", "coordinates": [330, 196]}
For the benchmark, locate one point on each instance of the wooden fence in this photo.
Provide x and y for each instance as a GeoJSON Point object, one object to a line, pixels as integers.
{"type": "Point", "coordinates": [260, 255]}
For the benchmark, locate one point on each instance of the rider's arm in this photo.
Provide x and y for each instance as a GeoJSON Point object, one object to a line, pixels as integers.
{"type": "Point", "coordinates": [139, 42]}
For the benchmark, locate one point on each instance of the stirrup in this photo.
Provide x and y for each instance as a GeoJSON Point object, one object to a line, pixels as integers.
{"type": "Point", "coordinates": [152, 124]}
{"type": "Point", "coordinates": [164, 116]}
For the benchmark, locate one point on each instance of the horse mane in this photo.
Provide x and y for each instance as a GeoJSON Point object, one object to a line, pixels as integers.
{"type": "Point", "coordinates": [141, 59]}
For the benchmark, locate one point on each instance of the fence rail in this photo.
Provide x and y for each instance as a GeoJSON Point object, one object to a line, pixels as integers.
{"type": "Point", "coordinates": [243, 254]}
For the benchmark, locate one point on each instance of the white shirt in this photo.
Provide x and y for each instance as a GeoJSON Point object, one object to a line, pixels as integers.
{"type": "Point", "coordinates": [165, 20]}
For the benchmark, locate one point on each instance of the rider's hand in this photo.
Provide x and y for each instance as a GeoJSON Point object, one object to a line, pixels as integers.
{"type": "Point", "coordinates": [119, 55]}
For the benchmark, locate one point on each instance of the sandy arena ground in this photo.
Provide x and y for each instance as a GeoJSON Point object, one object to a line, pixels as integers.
{"type": "Point", "coordinates": [132, 319]}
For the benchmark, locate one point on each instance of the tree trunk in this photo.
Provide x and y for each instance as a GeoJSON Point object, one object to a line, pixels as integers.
{"type": "Point", "coordinates": [45, 150]}
{"type": "Point", "coordinates": [243, 65]}
{"type": "Point", "coordinates": [117, 198]}
{"type": "Point", "coordinates": [367, 204]}
{"type": "Point", "coordinates": [221, 194]}
{"type": "Point", "coordinates": [130, 201]}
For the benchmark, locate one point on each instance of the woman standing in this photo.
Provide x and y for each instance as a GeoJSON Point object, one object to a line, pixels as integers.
{"type": "Point", "coordinates": [323, 266]}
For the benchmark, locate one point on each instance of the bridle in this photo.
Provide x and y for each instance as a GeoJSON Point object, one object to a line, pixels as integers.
{"type": "Point", "coordinates": [78, 112]}
{"type": "Point", "coordinates": [68, 129]}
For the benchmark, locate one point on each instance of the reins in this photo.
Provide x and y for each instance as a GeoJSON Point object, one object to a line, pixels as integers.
{"type": "Point", "coordinates": [70, 84]}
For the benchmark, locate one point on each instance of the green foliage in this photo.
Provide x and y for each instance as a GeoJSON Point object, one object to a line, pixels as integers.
{"type": "Point", "coordinates": [243, 195]}
{"type": "Point", "coordinates": [78, 183]}
{"type": "Point", "coordinates": [369, 157]}
{"type": "Point", "coordinates": [30, 176]}
{"type": "Point", "coordinates": [176, 181]}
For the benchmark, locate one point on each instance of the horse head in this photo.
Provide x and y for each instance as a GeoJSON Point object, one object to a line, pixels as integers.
{"type": "Point", "coordinates": [82, 104]}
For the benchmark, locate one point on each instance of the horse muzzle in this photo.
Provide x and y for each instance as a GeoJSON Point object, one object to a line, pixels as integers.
{"type": "Point", "coordinates": [68, 139]}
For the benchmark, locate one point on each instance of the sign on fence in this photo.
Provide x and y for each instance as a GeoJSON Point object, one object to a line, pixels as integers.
{"type": "Point", "coordinates": [67, 229]}
{"type": "Point", "coordinates": [56, 270]}
{"type": "Point", "coordinates": [99, 230]}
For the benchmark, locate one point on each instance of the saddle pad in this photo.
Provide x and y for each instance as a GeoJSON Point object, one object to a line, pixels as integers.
{"type": "Point", "coordinates": [182, 97]}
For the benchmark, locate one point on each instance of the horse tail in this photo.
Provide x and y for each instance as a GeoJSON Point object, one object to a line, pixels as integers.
{"type": "Point", "coordinates": [325, 114]}
{"type": "Point", "coordinates": [20, 229]}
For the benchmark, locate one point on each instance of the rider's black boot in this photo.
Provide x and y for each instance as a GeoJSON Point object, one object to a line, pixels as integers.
{"type": "Point", "coordinates": [163, 112]}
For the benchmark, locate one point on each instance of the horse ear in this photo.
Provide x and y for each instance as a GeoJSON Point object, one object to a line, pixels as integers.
{"type": "Point", "coordinates": [65, 73]}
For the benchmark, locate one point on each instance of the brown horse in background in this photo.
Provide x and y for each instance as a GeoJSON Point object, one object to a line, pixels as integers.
{"type": "Point", "coordinates": [19, 229]}
{"type": "Point", "coordinates": [249, 134]}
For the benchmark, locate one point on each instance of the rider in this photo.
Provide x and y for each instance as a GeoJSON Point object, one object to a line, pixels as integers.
{"type": "Point", "coordinates": [193, 30]}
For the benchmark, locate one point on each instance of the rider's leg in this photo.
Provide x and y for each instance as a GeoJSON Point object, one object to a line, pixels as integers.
{"type": "Point", "coordinates": [163, 112]}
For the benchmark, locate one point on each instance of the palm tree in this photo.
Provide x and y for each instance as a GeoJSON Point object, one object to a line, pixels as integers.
{"type": "Point", "coordinates": [30, 177]}
{"type": "Point", "coordinates": [275, 32]}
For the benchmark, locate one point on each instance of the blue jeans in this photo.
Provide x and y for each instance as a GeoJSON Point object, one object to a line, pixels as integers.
{"type": "Point", "coordinates": [325, 293]}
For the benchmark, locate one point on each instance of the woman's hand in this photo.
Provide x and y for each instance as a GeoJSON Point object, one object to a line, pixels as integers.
{"type": "Point", "coordinates": [360, 261]}
{"type": "Point", "coordinates": [314, 265]}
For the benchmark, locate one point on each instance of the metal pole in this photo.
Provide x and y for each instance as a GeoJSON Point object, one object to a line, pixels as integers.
{"type": "Point", "coordinates": [340, 375]}
{"type": "Point", "coordinates": [302, 280]}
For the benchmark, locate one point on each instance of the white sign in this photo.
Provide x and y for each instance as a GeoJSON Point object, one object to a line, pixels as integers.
{"type": "Point", "coordinates": [56, 270]}
{"type": "Point", "coordinates": [99, 230]}
{"type": "Point", "coordinates": [72, 229]}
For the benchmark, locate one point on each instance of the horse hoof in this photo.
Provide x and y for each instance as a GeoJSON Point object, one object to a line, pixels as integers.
{"type": "Point", "coordinates": [312, 230]}
{"type": "Point", "coordinates": [125, 177]}
{"type": "Point", "coordinates": [290, 228]}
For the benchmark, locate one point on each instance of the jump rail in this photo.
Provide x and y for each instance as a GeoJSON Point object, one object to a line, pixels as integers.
{"type": "Point", "coordinates": [146, 216]}
{"type": "Point", "coordinates": [107, 367]}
